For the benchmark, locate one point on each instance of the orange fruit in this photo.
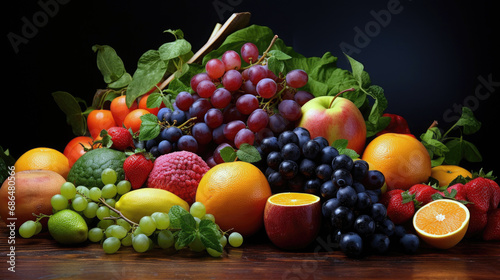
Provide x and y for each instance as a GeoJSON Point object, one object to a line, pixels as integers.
{"type": "Point", "coordinates": [143, 105]}
{"type": "Point", "coordinates": [236, 194]}
{"type": "Point", "coordinates": [45, 159]}
{"type": "Point", "coordinates": [442, 223]}
{"type": "Point", "coordinates": [119, 109]}
{"type": "Point", "coordinates": [97, 120]}
{"type": "Point", "coordinates": [133, 119]}
{"type": "Point", "coordinates": [447, 173]}
{"type": "Point", "coordinates": [74, 149]}
{"type": "Point", "coordinates": [402, 159]}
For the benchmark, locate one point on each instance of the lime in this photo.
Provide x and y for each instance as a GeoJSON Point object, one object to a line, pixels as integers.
{"type": "Point", "coordinates": [88, 168]}
{"type": "Point", "coordinates": [68, 227]}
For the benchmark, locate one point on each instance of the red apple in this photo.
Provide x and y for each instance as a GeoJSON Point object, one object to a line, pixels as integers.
{"type": "Point", "coordinates": [335, 118]}
{"type": "Point", "coordinates": [292, 220]}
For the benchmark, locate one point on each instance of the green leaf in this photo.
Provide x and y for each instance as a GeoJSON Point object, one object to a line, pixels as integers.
{"type": "Point", "coordinates": [154, 100]}
{"type": "Point", "coordinates": [469, 123]}
{"type": "Point", "coordinates": [174, 49]}
{"type": "Point", "coordinates": [6, 164]}
{"type": "Point", "coordinates": [175, 214]}
{"type": "Point", "coordinates": [177, 33]}
{"type": "Point", "coordinates": [248, 153]}
{"type": "Point", "coordinates": [341, 146]}
{"type": "Point", "coordinates": [184, 238]}
{"type": "Point", "coordinates": [110, 64]}
{"type": "Point", "coordinates": [470, 152]}
{"type": "Point", "coordinates": [150, 128]}
{"type": "Point", "coordinates": [209, 235]}
{"type": "Point", "coordinates": [124, 81]}
{"type": "Point", "coordinates": [71, 108]}
{"type": "Point", "coordinates": [228, 154]}
{"type": "Point", "coordinates": [150, 71]}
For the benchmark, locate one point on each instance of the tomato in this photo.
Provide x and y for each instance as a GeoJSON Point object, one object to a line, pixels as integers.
{"type": "Point", "coordinates": [73, 150]}
{"type": "Point", "coordinates": [98, 120]}
{"type": "Point", "coordinates": [143, 105]}
{"type": "Point", "coordinates": [133, 119]}
{"type": "Point", "coordinates": [119, 109]}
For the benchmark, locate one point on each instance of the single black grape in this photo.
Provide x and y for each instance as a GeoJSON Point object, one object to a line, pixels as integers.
{"type": "Point", "coordinates": [328, 190]}
{"type": "Point", "coordinates": [409, 243]}
{"type": "Point", "coordinates": [288, 169]}
{"type": "Point", "coordinates": [329, 206]}
{"type": "Point", "coordinates": [359, 169]}
{"type": "Point", "coordinates": [274, 160]}
{"type": "Point", "coordinates": [327, 154]}
{"type": "Point", "coordinates": [351, 244]}
{"type": "Point", "coordinates": [364, 225]}
{"type": "Point", "coordinates": [342, 161]}
{"type": "Point", "coordinates": [269, 144]}
{"type": "Point", "coordinates": [364, 201]}
{"type": "Point", "coordinates": [307, 167]}
{"type": "Point", "coordinates": [379, 243]}
{"type": "Point", "coordinates": [342, 218]}
{"type": "Point", "coordinates": [287, 137]}
{"type": "Point", "coordinates": [311, 149]}
{"type": "Point", "coordinates": [324, 172]}
{"type": "Point", "coordinates": [312, 186]}
{"type": "Point", "coordinates": [290, 151]}
{"type": "Point", "coordinates": [342, 177]}
{"type": "Point", "coordinates": [378, 212]}
{"type": "Point", "coordinates": [347, 196]}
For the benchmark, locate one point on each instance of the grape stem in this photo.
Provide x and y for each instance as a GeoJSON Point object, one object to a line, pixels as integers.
{"type": "Point", "coordinates": [117, 212]}
{"type": "Point", "coordinates": [335, 97]}
{"type": "Point", "coordinates": [264, 54]}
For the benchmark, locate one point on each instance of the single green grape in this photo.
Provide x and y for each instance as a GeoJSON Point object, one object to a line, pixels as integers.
{"type": "Point", "coordinates": [127, 240]}
{"type": "Point", "coordinates": [91, 210]}
{"type": "Point", "coordinates": [111, 202]}
{"type": "Point", "coordinates": [223, 241]}
{"type": "Point", "coordinates": [111, 245]}
{"type": "Point", "coordinates": [102, 212]}
{"type": "Point", "coordinates": [68, 190]}
{"type": "Point", "coordinates": [124, 224]}
{"type": "Point", "coordinates": [79, 203]}
{"type": "Point", "coordinates": [123, 187]}
{"type": "Point", "coordinates": [198, 210]}
{"type": "Point", "coordinates": [147, 225]}
{"type": "Point", "coordinates": [95, 234]}
{"type": "Point", "coordinates": [59, 202]}
{"type": "Point", "coordinates": [235, 239]}
{"type": "Point", "coordinates": [119, 232]}
{"type": "Point", "coordinates": [83, 190]}
{"type": "Point", "coordinates": [108, 176]}
{"type": "Point", "coordinates": [95, 193]}
{"type": "Point", "coordinates": [108, 191]}
{"type": "Point", "coordinates": [209, 217]}
{"type": "Point", "coordinates": [104, 224]}
{"type": "Point", "coordinates": [165, 239]}
{"type": "Point", "coordinates": [214, 253]}
{"type": "Point", "coordinates": [196, 245]}
{"type": "Point", "coordinates": [140, 243]}
{"type": "Point", "coordinates": [27, 229]}
{"type": "Point", "coordinates": [161, 220]}
{"type": "Point", "coordinates": [109, 230]}
{"type": "Point", "coordinates": [38, 227]}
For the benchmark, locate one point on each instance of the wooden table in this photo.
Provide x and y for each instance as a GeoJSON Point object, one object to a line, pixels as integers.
{"type": "Point", "coordinates": [42, 258]}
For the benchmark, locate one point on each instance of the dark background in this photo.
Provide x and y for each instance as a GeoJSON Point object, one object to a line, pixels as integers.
{"type": "Point", "coordinates": [429, 57]}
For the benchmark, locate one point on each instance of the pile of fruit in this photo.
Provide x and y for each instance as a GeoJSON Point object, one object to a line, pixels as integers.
{"type": "Point", "coordinates": [256, 137]}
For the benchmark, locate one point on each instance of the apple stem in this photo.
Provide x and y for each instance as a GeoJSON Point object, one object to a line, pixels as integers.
{"type": "Point", "coordinates": [345, 90]}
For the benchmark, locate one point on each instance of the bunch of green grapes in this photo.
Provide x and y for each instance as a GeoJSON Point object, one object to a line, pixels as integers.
{"type": "Point", "coordinates": [87, 202]}
{"type": "Point", "coordinates": [156, 231]}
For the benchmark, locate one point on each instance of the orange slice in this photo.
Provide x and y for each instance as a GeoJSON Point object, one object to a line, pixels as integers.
{"type": "Point", "coordinates": [442, 223]}
{"type": "Point", "coordinates": [293, 199]}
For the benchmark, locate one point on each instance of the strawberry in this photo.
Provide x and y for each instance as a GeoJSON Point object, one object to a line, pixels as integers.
{"type": "Point", "coordinates": [495, 194]}
{"type": "Point", "coordinates": [137, 168]}
{"type": "Point", "coordinates": [121, 137]}
{"type": "Point", "coordinates": [460, 188]}
{"type": "Point", "coordinates": [401, 207]}
{"type": "Point", "coordinates": [479, 192]}
{"type": "Point", "coordinates": [492, 229]}
{"type": "Point", "coordinates": [477, 220]}
{"type": "Point", "coordinates": [423, 193]}
{"type": "Point", "coordinates": [384, 199]}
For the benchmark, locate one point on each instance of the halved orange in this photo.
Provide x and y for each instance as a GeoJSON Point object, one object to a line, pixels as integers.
{"type": "Point", "coordinates": [293, 199]}
{"type": "Point", "coordinates": [442, 223]}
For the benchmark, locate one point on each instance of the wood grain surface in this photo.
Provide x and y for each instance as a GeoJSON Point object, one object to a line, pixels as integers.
{"type": "Point", "coordinates": [42, 258]}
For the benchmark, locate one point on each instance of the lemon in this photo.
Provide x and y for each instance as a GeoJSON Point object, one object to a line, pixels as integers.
{"type": "Point", "coordinates": [68, 227]}
{"type": "Point", "coordinates": [144, 202]}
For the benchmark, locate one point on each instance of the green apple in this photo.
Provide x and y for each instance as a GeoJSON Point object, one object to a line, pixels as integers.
{"type": "Point", "coordinates": [334, 118]}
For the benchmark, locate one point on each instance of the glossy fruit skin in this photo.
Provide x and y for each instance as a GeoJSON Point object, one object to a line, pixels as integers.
{"type": "Point", "coordinates": [74, 149]}
{"type": "Point", "coordinates": [33, 191]}
{"type": "Point", "coordinates": [342, 120]}
{"type": "Point", "coordinates": [292, 227]}
{"type": "Point", "coordinates": [133, 119]}
{"type": "Point", "coordinates": [397, 125]}
{"type": "Point", "coordinates": [119, 109]}
{"type": "Point", "coordinates": [143, 105]}
{"type": "Point", "coordinates": [445, 174]}
{"type": "Point", "coordinates": [45, 159]}
{"type": "Point", "coordinates": [402, 159]}
{"type": "Point", "coordinates": [98, 120]}
{"type": "Point", "coordinates": [236, 194]}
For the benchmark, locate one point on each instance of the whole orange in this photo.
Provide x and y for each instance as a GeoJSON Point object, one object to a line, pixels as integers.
{"type": "Point", "coordinates": [236, 194]}
{"type": "Point", "coordinates": [31, 190]}
{"type": "Point", "coordinates": [119, 109]}
{"type": "Point", "coordinates": [133, 119]}
{"type": "Point", "coordinates": [45, 159]}
{"type": "Point", "coordinates": [447, 173]}
{"type": "Point", "coordinates": [402, 159]}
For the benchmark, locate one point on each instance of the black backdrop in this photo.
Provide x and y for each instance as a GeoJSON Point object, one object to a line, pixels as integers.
{"type": "Point", "coordinates": [429, 57]}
